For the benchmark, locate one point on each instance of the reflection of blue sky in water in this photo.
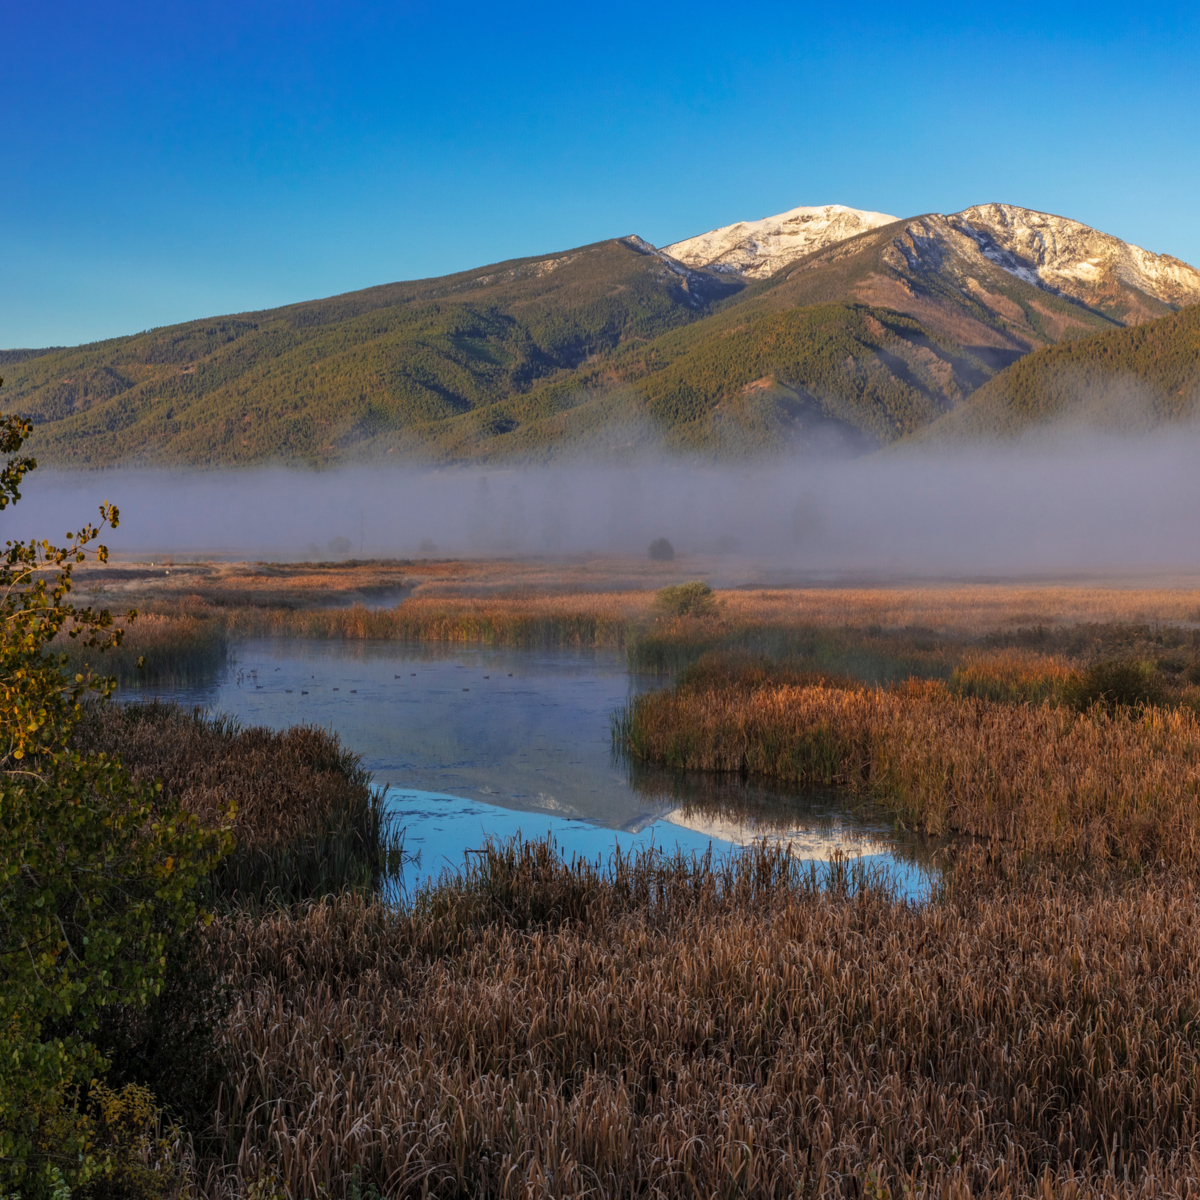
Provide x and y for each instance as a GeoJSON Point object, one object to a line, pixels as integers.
{"type": "Point", "coordinates": [442, 829]}
{"type": "Point", "coordinates": [478, 741]}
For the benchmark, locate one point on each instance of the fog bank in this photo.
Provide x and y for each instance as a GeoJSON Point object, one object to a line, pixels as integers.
{"type": "Point", "coordinates": [1106, 504]}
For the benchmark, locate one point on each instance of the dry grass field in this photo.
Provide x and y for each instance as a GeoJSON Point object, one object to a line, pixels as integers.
{"type": "Point", "coordinates": [668, 1029]}
{"type": "Point", "coordinates": [625, 588]}
{"type": "Point", "coordinates": [880, 631]}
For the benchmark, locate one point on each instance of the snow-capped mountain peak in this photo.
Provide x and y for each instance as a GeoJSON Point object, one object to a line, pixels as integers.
{"type": "Point", "coordinates": [1073, 259]}
{"type": "Point", "coordinates": [757, 249]}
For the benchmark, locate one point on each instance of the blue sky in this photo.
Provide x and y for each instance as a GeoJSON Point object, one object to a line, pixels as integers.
{"type": "Point", "coordinates": [163, 161]}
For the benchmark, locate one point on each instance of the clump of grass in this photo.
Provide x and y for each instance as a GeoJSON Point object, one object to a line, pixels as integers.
{"type": "Point", "coordinates": [1098, 785]}
{"type": "Point", "coordinates": [693, 599]}
{"type": "Point", "coordinates": [307, 822]}
{"type": "Point", "coordinates": [680, 1028]}
{"type": "Point", "coordinates": [1015, 676]}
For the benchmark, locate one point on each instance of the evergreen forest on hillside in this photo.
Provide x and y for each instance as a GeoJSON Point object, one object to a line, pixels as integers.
{"type": "Point", "coordinates": [1123, 381]}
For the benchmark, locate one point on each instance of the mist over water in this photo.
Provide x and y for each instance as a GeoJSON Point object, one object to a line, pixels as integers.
{"type": "Point", "coordinates": [1072, 505]}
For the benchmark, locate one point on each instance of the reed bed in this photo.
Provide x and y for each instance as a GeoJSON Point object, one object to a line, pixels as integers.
{"type": "Point", "coordinates": [1100, 785]}
{"type": "Point", "coordinates": [523, 623]}
{"type": "Point", "coordinates": [1016, 676]}
{"type": "Point", "coordinates": [629, 584]}
{"type": "Point", "coordinates": [307, 821]}
{"type": "Point", "coordinates": [971, 611]}
{"type": "Point", "coordinates": [665, 1028]}
{"type": "Point", "coordinates": [873, 655]}
{"type": "Point", "coordinates": [177, 649]}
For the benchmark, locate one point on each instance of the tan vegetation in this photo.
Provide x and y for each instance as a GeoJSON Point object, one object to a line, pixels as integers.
{"type": "Point", "coordinates": [306, 820]}
{"type": "Point", "coordinates": [672, 1029]}
{"type": "Point", "coordinates": [157, 649]}
{"type": "Point", "coordinates": [541, 621]}
{"type": "Point", "coordinates": [1014, 675]}
{"type": "Point", "coordinates": [875, 633]}
{"type": "Point", "coordinates": [678, 1030]}
{"type": "Point", "coordinates": [1102, 784]}
{"type": "Point", "coordinates": [627, 587]}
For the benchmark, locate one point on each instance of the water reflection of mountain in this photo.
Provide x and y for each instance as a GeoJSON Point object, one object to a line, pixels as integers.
{"type": "Point", "coordinates": [820, 844]}
{"type": "Point", "coordinates": [816, 823]}
{"type": "Point", "coordinates": [526, 733]}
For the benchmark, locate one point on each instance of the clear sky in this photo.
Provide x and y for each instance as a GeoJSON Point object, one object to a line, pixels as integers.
{"type": "Point", "coordinates": [163, 161]}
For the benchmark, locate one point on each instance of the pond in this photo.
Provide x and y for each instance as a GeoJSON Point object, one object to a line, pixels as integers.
{"type": "Point", "coordinates": [474, 741]}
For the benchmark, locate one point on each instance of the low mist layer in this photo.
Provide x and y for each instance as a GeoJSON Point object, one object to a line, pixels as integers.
{"type": "Point", "coordinates": [1109, 504]}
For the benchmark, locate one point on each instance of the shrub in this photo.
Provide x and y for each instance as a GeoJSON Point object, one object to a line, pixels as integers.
{"type": "Point", "coordinates": [1116, 683]}
{"type": "Point", "coordinates": [693, 599]}
{"type": "Point", "coordinates": [145, 1161]}
{"type": "Point", "coordinates": [662, 551]}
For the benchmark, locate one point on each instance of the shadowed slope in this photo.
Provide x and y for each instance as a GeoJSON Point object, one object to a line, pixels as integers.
{"type": "Point", "coordinates": [1123, 381]}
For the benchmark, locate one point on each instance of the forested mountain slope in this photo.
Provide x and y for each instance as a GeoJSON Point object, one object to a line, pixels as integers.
{"type": "Point", "coordinates": [843, 376]}
{"type": "Point", "coordinates": [1125, 380]}
{"type": "Point", "coordinates": [306, 381]}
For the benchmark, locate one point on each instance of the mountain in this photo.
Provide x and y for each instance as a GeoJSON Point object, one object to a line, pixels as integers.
{"type": "Point", "coordinates": [824, 377]}
{"type": "Point", "coordinates": [757, 249]}
{"type": "Point", "coordinates": [854, 341]}
{"type": "Point", "coordinates": [1123, 381]}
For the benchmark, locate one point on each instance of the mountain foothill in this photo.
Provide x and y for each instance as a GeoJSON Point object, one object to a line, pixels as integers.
{"type": "Point", "coordinates": [823, 329]}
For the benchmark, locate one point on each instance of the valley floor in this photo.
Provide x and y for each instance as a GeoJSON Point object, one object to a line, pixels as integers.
{"type": "Point", "coordinates": [625, 586]}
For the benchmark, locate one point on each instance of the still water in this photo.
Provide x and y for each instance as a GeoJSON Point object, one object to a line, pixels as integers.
{"type": "Point", "coordinates": [473, 742]}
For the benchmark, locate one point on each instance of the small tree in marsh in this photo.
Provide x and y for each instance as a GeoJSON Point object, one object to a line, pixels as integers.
{"type": "Point", "coordinates": [97, 874]}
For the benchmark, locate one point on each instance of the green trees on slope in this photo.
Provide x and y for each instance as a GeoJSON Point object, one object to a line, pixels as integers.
{"type": "Point", "coordinates": [1121, 381]}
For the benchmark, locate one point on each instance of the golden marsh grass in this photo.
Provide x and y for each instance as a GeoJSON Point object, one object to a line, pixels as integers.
{"type": "Point", "coordinates": [1044, 778]}
{"type": "Point", "coordinates": [628, 587]}
{"type": "Point", "coordinates": [307, 821]}
{"type": "Point", "coordinates": [674, 1030]}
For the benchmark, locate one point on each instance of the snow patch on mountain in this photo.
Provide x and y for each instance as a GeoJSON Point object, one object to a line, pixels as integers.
{"type": "Point", "coordinates": [757, 249]}
{"type": "Point", "coordinates": [1073, 259]}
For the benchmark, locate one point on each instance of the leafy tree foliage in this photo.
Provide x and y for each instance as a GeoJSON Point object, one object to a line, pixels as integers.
{"type": "Point", "coordinates": [97, 874]}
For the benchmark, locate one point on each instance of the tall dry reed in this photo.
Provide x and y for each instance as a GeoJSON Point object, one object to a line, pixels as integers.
{"type": "Point", "coordinates": [677, 1030]}
{"type": "Point", "coordinates": [528, 623]}
{"type": "Point", "coordinates": [176, 649]}
{"type": "Point", "coordinates": [307, 821]}
{"type": "Point", "coordinates": [1093, 785]}
{"type": "Point", "coordinates": [1015, 676]}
